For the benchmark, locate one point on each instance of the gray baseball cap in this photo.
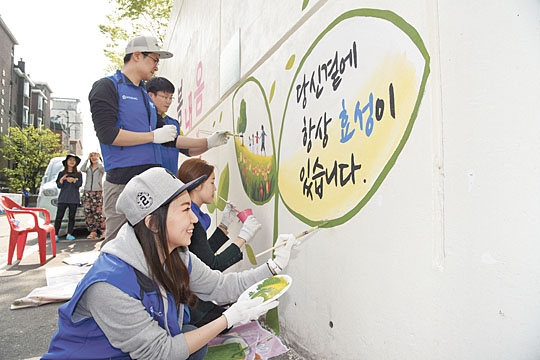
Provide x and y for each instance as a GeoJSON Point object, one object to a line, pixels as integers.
{"type": "Point", "coordinates": [148, 191]}
{"type": "Point", "coordinates": [146, 44]}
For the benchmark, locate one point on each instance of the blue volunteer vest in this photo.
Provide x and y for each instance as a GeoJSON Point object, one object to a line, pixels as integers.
{"type": "Point", "coordinates": [136, 112]}
{"type": "Point", "coordinates": [169, 155]}
{"type": "Point", "coordinates": [84, 339]}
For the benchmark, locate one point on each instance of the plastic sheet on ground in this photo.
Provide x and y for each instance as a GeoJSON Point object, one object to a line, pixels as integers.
{"type": "Point", "coordinates": [249, 341]}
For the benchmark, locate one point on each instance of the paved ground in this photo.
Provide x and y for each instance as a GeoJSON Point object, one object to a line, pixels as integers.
{"type": "Point", "coordinates": [25, 333]}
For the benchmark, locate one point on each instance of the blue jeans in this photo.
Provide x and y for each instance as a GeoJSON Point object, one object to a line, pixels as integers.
{"type": "Point", "coordinates": [199, 354]}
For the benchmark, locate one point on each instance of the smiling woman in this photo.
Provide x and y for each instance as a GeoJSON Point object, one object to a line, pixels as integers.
{"type": "Point", "coordinates": [123, 298]}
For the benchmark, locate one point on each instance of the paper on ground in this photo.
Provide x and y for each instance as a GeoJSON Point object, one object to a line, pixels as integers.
{"type": "Point", "coordinates": [82, 259]}
{"type": "Point", "coordinates": [61, 283]}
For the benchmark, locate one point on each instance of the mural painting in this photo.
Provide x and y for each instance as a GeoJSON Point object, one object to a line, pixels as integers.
{"type": "Point", "coordinates": [352, 102]}
{"type": "Point", "coordinates": [350, 108]}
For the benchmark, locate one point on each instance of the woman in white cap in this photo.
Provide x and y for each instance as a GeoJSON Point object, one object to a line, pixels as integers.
{"type": "Point", "coordinates": [133, 301]}
{"type": "Point", "coordinates": [69, 181]}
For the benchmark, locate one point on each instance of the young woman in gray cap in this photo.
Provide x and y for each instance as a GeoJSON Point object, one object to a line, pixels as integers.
{"type": "Point", "coordinates": [133, 302]}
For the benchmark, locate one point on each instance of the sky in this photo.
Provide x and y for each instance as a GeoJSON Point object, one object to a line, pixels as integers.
{"type": "Point", "coordinates": [60, 42]}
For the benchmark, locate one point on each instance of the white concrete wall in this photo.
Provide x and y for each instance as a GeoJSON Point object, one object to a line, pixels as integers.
{"type": "Point", "coordinates": [442, 261]}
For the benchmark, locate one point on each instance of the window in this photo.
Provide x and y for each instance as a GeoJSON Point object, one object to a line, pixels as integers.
{"type": "Point", "coordinates": [25, 119]}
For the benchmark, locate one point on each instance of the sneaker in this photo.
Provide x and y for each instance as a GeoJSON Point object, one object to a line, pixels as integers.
{"type": "Point", "coordinates": [70, 237]}
{"type": "Point", "coordinates": [92, 235]}
{"type": "Point", "coordinates": [56, 240]}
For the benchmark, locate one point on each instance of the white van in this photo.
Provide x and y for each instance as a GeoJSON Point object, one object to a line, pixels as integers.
{"type": "Point", "coordinates": [48, 195]}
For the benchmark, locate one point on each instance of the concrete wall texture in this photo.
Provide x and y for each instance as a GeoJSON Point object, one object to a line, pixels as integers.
{"type": "Point", "coordinates": [408, 130]}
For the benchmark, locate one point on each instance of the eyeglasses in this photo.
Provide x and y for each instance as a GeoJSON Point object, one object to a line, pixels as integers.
{"type": "Point", "coordinates": [167, 98]}
{"type": "Point", "coordinates": [156, 61]}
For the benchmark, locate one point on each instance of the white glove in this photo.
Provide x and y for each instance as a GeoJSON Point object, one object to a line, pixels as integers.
{"type": "Point", "coordinates": [217, 139]}
{"type": "Point", "coordinates": [250, 228]}
{"type": "Point", "coordinates": [283, 253]}
{"type": "Point", "coordinates": [229, 214]}
{"type": "Point", "coordinates": [243, 312]}
{"type": "Point", "coordinates": [164, 134]}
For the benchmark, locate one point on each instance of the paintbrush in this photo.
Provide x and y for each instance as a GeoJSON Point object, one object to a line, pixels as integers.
{"type": "Point", "coordinates": [228, 133]}
{"type": "Point", "coordinates": [231, 134]}
{"type": "Point", "coordinates": [249, 250]}
{"type": "Point", "coordinates": [227, 201]}
{"type": "Point", "coordinates": [303, 233]}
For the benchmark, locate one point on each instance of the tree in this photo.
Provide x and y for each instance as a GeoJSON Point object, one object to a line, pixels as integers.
{"type": "Point", "coordinates": [30, 150]}
{"type": "Point", "coordinates": [132, 18]}
{"type": "Point", "coordinates": [242, 119]}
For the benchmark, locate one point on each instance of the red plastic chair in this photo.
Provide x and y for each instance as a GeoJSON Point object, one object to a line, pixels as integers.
{"type": "Point", "coordinates": [20, 230]}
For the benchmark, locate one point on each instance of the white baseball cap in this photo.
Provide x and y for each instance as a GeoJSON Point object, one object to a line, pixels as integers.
{"type": "Point", "coordinates": [148, 191]}
{"type": "Point", "coordinates": [146, 44]}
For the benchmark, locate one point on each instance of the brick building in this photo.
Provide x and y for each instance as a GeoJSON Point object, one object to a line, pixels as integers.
{"type": "Point", "coordinates": [25, 102]}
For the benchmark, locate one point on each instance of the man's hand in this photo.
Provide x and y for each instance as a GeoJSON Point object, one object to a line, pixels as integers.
{"type": "Point", "coordinates": [217, 139]}
{"type": "Point", "coordinates": [164, 134]}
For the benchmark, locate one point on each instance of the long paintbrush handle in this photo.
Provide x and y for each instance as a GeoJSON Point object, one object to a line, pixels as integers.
{"type": "Point", "coordinates": [234, 208]}
{"type": "Point", "coordinates": [272, 248]}
{"type": "Point", "coordinates": [305, 232]}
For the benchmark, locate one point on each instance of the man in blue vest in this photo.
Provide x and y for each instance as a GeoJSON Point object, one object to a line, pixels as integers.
{"type": "Point", "coordinates": [161, 90]}
{"type": "Point", "coordinates": [125, 121]}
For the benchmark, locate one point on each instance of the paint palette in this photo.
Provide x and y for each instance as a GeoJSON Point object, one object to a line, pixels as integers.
{"type": "Point", "coordinates": [270, 288]}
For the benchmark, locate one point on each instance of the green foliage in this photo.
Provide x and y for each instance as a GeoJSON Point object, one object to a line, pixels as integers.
{"type": "Point", "coordinates": [258, 174]}
{"type": "Point", "coordinates": [242, 119]}
{"type": "Point", "coordinates": [222, 192]}
{"type": "Point", "coordinates": [272, 320]}
{"type": "Point", "coordinates": [132, 18]}
{"type": "Point", "coordinates": [30, 150]}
